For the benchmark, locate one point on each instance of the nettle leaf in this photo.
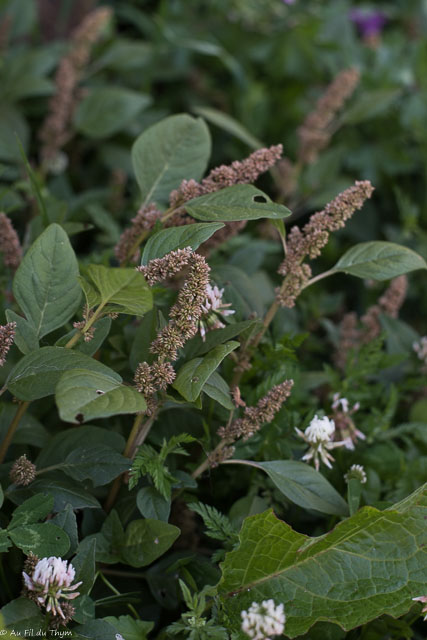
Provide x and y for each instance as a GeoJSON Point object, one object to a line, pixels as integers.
{"type": "Point", "coordinates": [170, 151]}
{"type": "Point", "coordinates": [82, 395]}
{"type": "Point", "coordinates": [98, 463]}
{"type": "Point", "coordinates": [124, 290]}
{"type": "Point", "coordinates": [45, 285]}
{"type": "Point", "coordinates": [379, 260]}
{"type": "Point", "coordinates": [304, 486]}
{"type": "Point", "coordinates": [239, 202]}
{"type": "Point", "coordinates": [107, 110]}
{"type": "Point", "coordinates": [193, 375]}
{"type": "Point", "coordinates": [166, 240]}
{"type": "Point", "coordinates": [146, 540]}
{"type": "Point", "coordinates": [41, 539]}
{"type": "Point", "coordinates": [371, 564]}
{"type": "Point", "coordinates": [37, 374]}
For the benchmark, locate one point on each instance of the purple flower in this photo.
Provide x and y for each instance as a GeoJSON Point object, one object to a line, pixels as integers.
{"type": "Point", "coordinates": [368, 23]}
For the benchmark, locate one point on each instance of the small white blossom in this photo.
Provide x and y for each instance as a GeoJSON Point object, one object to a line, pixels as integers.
{"type": "Point", "coordinates": [51, 580]}
{"type": "Point", "coordinates": [356, 471]}
{"type": "Point", "coordinates": [213, 308]}
{"type": "Point", "coordinates": [344, 422]}
{"type": "Point", "coordinates": [264, 620]}
{"type": "Point", "coordinates": [420, 349]}
{"type": "Point", "coordinates": [319, 435]}
{"type": "Point", "coordinates": [337, 401]}
{"type": "Point", "coordinates": [422, 599]}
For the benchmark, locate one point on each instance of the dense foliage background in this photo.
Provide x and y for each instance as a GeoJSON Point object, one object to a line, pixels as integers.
{"type": "Point", "coordinates": [80, 83]}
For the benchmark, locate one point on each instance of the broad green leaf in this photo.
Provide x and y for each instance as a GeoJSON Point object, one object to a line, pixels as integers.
{"type": "Point", "coordinates": [67, 440]}
{"type": "Point", "coordinates": [41, 539]}
{"type": "Point", "coordinates": [99, 463]}
{"type": "Point", "coordinates": [166, 240]}
{"type": "Point", "coordinates": [217, 389]}
{"type": "Point", "coordinates": [197, 346]}
{"type": "Point", "coordinates": [32, 510]}
{"type": "Point", "coordinates": [301, 484]}
{"type": "Point", "coordinates": [45, 284]}
{"type": "Point", "coordinates": [144, 335]}
{"type": "Point", "coordinates": [67, 521]}
{"type": "Point", "coordinates": [29, 431]}
{"type": "Point", "coordinates": [124, 290]}
{"type": "Point", "coordinates": [13, 128]}
{"type": "Point", "coordinates": [239, 202]}
{"type": "Point", "coordinates": [64, 492]}
{"type": "Point", "coordinates": [108, 541]}
{"type": "Point", "coordinates": [152, 504]}
{"type": "Point", "coordinates": [130, 628]}
{"type": "Point", "coordinates": [21, 614]}
{"type": "Point", "coordinates": [82, 395]}
{"type": "Point", "coordinates": [371, 564]}
{"type": "Point", "coordinates": [147, 540]}
{"type": "Point", "coordinates": [37, 374]}
{"type": "Point", "coordinates": [102, 329]}
{"type": "Point", "coordinates": [379, 260]}
{"type": "Point", "coordinates": [5, 543]}
{"type": "Point", "coordinates": [370, 104]}
{"type": "Point", "coordinates": [168, 152]}
{"type": "Point", "coordinates": [107, 110]}
{"type": "Point", "coordinates": [96, 630]}
{"type": "Point", "coordinates": [84, 564]}
{"type": "Point", "coordinates": [229, 124]}
{"type": "Point", "coordinates": [26, 335]}
{"type": "Point", "coordinates": [193, 375]}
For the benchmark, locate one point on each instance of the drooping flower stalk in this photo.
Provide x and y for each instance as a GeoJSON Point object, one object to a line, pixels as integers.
{"type": "Point", "coordinates": [7, 336]}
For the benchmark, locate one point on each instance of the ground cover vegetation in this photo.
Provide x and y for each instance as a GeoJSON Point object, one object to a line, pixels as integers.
{"type": "Point", "coordinates": [213, 348]}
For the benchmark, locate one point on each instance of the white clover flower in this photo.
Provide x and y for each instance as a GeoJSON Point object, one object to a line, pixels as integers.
{"type": "Point", "coordinates": [212, 309]}
{"type": "Point", "coordinates": [337, 401]}
{"type": "Point", "coordinates": [422, 599]}
{"type": "Point", "coordinates": [356, 471]}
{"type": "Point", "coordinates": [319, 435]}
{"type": "Point", "coordinates": [263, 620]}
{"type": "Point", "coordinates": [51, 580]}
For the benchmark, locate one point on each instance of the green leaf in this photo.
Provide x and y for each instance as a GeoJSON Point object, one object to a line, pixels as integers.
{"type": "Point", "coordinates": [96, 630]}
{"type": "Point", "coordinates": [26, 335]}
{"type": "Point", "coordinates": [66, 492]}
{"type": "Point", "coordinates": [239, 289]}
{"type": "Point", "coordinates": [99, 463]}
{"type": "Point", "coordinates": [229, 124]}
{"type": "Point", "coordinates": [107, 110]}
{"type": "Point", "coordinates": [239, 202]}
{"type": "Point", "coordinates": [370, 564]}
{"type": "Point", "coordinates": [21, 614]}
{"type": "Point", "coordinates": [217, 389]}
{"type": "Point", "coordinates": [193, 375]}
{"type": "Point", "coordinates": [82, 395]}
{"type": "Point", "coordinates": [370, 104]}
{"type": "Point", "coordinates": [102, 329]}
{"type": "Point", "coordinates": [124, 290]}
{"type": "Point", "coordinates": [45, 284]}
{"type": "Point", "coordinates": [41, 539]}
{"type": "Point", "coordinates": [152, 504]}
{"type": "Point", "coordinates": [4, 540]}
{"type": "Point", "coordinates": [166, 240]}
{"type": "Point", "coordinates": [37, 374]}
{"type": "Point", "coordinates": [29, 431]}
{"type": "Point", "coordinates": [197, 346]}
{"type": "Point", "coordinates": [67, 521]}
{"type": "Point", "coordinates": [147, 540]}
{"type": "Point", "coordinates": [168, 152]}
{"type": "Point", "coordinates": [32, 510]}
{"type": "Point", "coordinates": [379, 260]}
{"type": "Point", "coordinates": [84, 564]}
{"type": "Point", "coordinates": [130, 628]}
{"type": "Point", "coordinates": [304, 486]}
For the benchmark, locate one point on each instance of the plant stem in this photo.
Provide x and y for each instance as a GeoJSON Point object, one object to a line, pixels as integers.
{"type": "Point", "coordinates": [117, 593]}
{"type": "Point", "coordinates": [325, 274]}
{"type": "Point", "coordinates": [12, 428]}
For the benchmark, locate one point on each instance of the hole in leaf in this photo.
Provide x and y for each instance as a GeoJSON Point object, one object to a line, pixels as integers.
{"type": "Point", "coordinates": [80, 418]}
{"type": "Point", "coordinates": [261, 199]}
{"type": "Point", "coordinates": [99, 392]}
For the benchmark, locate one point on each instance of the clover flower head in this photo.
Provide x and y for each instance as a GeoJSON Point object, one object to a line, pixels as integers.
{"type": "Point", "coordinates": [319, 436]}
{"type": "Point", "coordinates": [50, 581]}
{"type": "Point", "coordinates": [422, 599]}
{"type": "Point", "coordinates": [356, 471]}
{"type": "Point", "coordinates": [261, 621]}
{"type": "Point", "coordinates": [212, 309]}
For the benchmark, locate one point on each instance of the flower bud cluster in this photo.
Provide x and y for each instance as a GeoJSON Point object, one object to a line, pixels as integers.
{"type": "Point", "coordinates": [10, 246]}
{"type": "Point", "coordinates": [7, 336]}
